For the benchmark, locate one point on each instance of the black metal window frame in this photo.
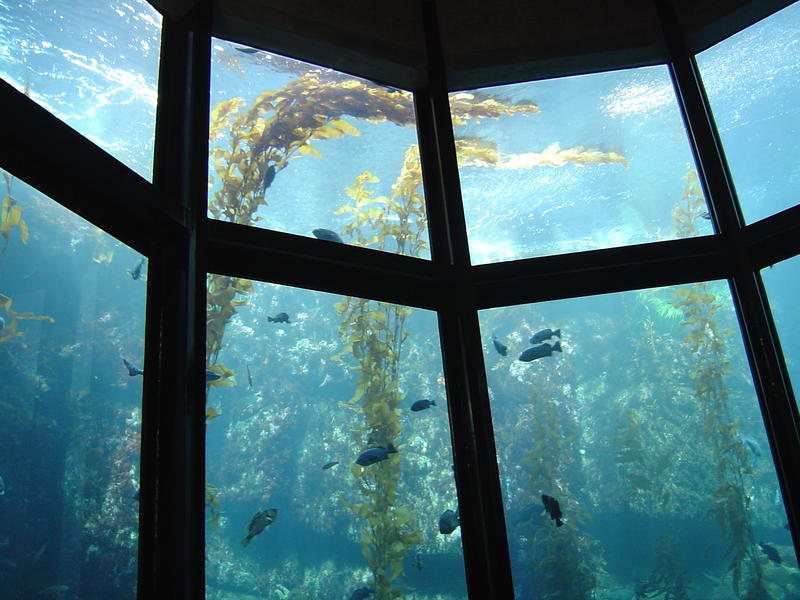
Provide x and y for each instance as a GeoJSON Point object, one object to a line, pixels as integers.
{"type": "Point", "coordinates": [167, 221]}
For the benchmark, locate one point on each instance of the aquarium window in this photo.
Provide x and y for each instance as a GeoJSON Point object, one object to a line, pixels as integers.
{"type": "Point", "coordinates": [328, 457]}
{"type": "Point", "coordinates": [94, 65]}
{"type": "Point", "coordinates": [572, 164]}
{"type": "Point", "coordinates": [780, 281]}
{"type": "Point", "coordinates": [72, 309]}
{"type": "Point", "coordinates": [633, 456]}
{"type": "Point", "coordinates": [752, 80]}
{"type": "Point", "coordinates": [307, 150]}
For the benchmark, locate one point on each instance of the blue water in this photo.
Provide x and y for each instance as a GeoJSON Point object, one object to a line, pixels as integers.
{"type": "Point", "coordinates": [615, 426]}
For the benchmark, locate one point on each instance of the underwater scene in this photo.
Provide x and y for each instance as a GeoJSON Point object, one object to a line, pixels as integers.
{"type": "Point", "coordinates": [72, 313]}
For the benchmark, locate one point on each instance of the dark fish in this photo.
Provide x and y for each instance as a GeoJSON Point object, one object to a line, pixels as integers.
{"type": "Point", "coordinates": [249, 378]}
{"type": "Point", "coordinates": [553, 509]}
{"type": "Point", "coordinates": [448, 522]}
{"type": "Point", "coordinates": [706, 216]}
{"type": "Point", "coordinates": [132, 370]}
{"type": "Point", "coordinates": [544, 334]}
{"type": "Point", "coordinates": [372, 455]}
{"type": "Point", "coordinates": [211, 376]}
{"type": "Point", "coordinates": [247, 50]}
{"type": "Point", "coordinates": [422, 404]}
{"type": "Point", "coordinates": [752, 445]}
{"type": "Point", "coordinates": [136, 272]}
{"type": "Point", "coordinates": [361, 593]}
{"type": "Point", "coordinates": [279, 318]}
{"type": "Point", "coordinates": [329, 465]}
{"type": "Point", "coordinates": [327, 234]}
{"type": "Point", "coordinates": [539, 351]}
{"type": "Point", "coordinates": [269, 177]}
{"type": "Point", "coordinates": [502, 349]}
{"type": "Point", "coordinates": [771, 552]}
{"type": "Point", "coordinates": [258, 523]}
{"type": "Point", "coordinates": [2, 323]}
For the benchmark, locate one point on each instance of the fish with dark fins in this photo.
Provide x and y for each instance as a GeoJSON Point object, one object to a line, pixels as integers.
{"type": "Point", "coordinates": [279, 318]}
{"type": "Point", "coordinates": [327, 235]}
{"type": "Point", "coordinates": [448, 522]}
{"type": "Point", "coordinates": [361, 593]}
{"type": "Point", "coordinates": [501, 348]}
{"type": "Point", "coordinates": [269, 177]}
{"type": "Point", "coordinates": [211, 376]}
{"type": "Point", "coordinates": [330, 465]}
{"type": "Point", "coordinates": [249, 378]}
{"type": "Point", "coordinates": [553, 509]}
{"type": "Point", "coordinates": [539, 351]}
{"type": "Point", "coordinates": [370, 456]}
{"type": "Point", "coordinates": [247, 50]}
{"type": "Point", "coordinates": [422, 404]}
{"type": "Point", "coordinates": [133, 370]}
{"type": "Point", "coordinates": [259, 523]}
{"type": "Point", "coordinates": [771, 552]}
{"type": "Point", "coordinates": [545, 334]}
{"type": "Point", "coordinates": [136, 272]}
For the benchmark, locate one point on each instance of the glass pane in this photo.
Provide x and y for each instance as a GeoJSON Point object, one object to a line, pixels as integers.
{"type": "Point", "coordinates": [72, 307]}
{"type": "Point", "coordinates": [752, 80]}
{"type": "Point", "coordinates": [571, 164]}
{"type": "Point", "coordinates": [780, 282]}
{"type": "Point", "coordinates": [328, 463]}
{"type": "Point", "coordinates": [94, 65]}
{"type": "Point", "coordinates": [314, 152]}
{"type": "Point", "coordinates": [635, 413]}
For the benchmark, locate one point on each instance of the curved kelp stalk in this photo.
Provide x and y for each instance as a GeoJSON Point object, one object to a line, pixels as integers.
{"type": "Point", "coordinates": [706, 341]}
{"type": "Point", "coordinates": [9, 330]}
{"type": "Point", "coordinates": [11, 217]}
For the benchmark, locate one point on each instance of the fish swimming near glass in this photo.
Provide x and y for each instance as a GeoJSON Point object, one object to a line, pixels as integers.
{"type": "Point", "coordinates": [553, 509]}
{"type": "Point", "coordinates": [330, 465]}
{"type": "Point", "coordinates": [539, 351]}
{"type": "Point", "coordinates": [211, 376]}
{"type": "Point", "coordinates": [136, 272]}
{"type": "Point", "coordinates": [370, 456]}
{"type": "Point", "coordinates": [249, 378]}
{"type": "Point", "coordinates": [422, 404]}
{"type": "Point", "coordinates": [448, 522]}
{"type": "Point", "coordinates": [361, 593]}
{"type": "Point", "coordinates": [279, 318]}
{"type": "Point", "coordinates": [259, 523]}
{"type": "Point", "coordinates": [545, 334]}
{"type": "Point", "coordinates": [771, 552]}
{"type": "Point", "coordinates": [133, 370]}
{"type": "Point", "coordinates": [502, 349]}
{"type": "Point", "coordinates": [247, 50]}
{"type": "Point", "coordinates": [328, 235]}
{"type": "Point", "coordinates": [269, 177]}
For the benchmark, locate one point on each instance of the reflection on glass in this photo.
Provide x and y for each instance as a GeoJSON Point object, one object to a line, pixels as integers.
{"type": "Point", "coordinates": [635, 413]}
{"type": "Point", "coordinates": [571, 164]}
{"type": "Point", "coordinates": [752, 83]}
{"type": "Point", "coordinates": [310, 151]}
{"type": "Point", "coordinates": [94, 65]}
{"type": "Point", "coordinates": [70, 311]}
{"type": "Point", "coordinates": [328, 448]}
{"type": "Point", "coordinates": [780, 282]}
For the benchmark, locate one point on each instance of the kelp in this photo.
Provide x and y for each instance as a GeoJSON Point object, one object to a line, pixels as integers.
{"type": "Point", "coordinates": [706, 341]}
{"type": "Point", "coordinates": [11, 216]}
{"type": "Point", "coordinates": [666, 581]}
{"type": "Point", "coordinates": [212, 506]}
{"type": "Point", "coordinates": [9, 332]}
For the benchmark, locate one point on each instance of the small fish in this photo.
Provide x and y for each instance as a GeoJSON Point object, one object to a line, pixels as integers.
{"type": "Point", "coordinates": [2, 323]}
{"type": "Point", "coordinates": [136, 272]}
{"type": "Point", "coordinates": [502, 349]}
{"type": "Point", "coordinates": [269, 177]}
{"type": "Point", "coordinates": [247, 50]}
{"type": "Point", "coordinates": [771, 552]}
{"type": "Point", "coordinates": [279, 318]}
{"type": "Point", "coordinates": [211, 376]}
{"type": "Point", "coordinates": [133, 371]}
{"type": "Point", "coordinates": [259, 523]}
{"type": "Point", "coordinates": [325, 380]}
{"type": "Point", "coordinates": [328, 235]}
{"type": "Point", "coordinates": [370, 456]}
{"type": "Point", "coordinates": [422, 404]}
{"type": "Point", "coordinates": [553, 509]}
{"type": "Point", "coordinates": [539, 351]}
{"type": "Point", "coordinates": [448, 522]}
{"type": "Point", "coordinates": [330, 465]}
{"type": "Point", "coordinates": [361, 593]}
{"type": "Point", "coordinates": [706, 215]}
{"type": "Point", "coordinates": [544, 334]}
{"type": "Point", "coordinates": [2, 486]}
{"type": "Point", "coordinates": [249, 378]}
{"type": "Point", "coordinates": [752, 445]}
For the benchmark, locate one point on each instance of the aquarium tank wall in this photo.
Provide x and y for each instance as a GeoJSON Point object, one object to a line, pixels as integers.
{"type": "Point", "coordinates": [419, 300]}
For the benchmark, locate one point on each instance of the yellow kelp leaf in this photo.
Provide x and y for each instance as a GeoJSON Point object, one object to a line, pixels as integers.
{"type": "Point", "coordinates": [9, 332]}
{"type": "Point", "coordinates": [212, 413]}
{"type": "Point", "coordinates": [309, 149]}
{"type": "Point", "coordinates": [326, 132]}
{"type": "Point", "coordinates": [23, 230]}
{"type": "Point", "coordinates": [346, 127]}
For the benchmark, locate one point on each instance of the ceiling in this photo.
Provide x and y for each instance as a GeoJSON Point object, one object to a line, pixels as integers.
{"type": "Point", "coordinates": [484, 42]}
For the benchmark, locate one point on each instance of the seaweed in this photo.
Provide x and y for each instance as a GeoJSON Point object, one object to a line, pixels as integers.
{"type": "Point", "coordinates": [9, 331]}
{"type": "Point", "coordinates": [11, 216]}
{"type": "Point", "coordinates": [667, 580]}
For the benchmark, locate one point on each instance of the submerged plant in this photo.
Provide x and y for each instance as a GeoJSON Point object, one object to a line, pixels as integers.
{"type": "Point", "coordinates": [11, 216]}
